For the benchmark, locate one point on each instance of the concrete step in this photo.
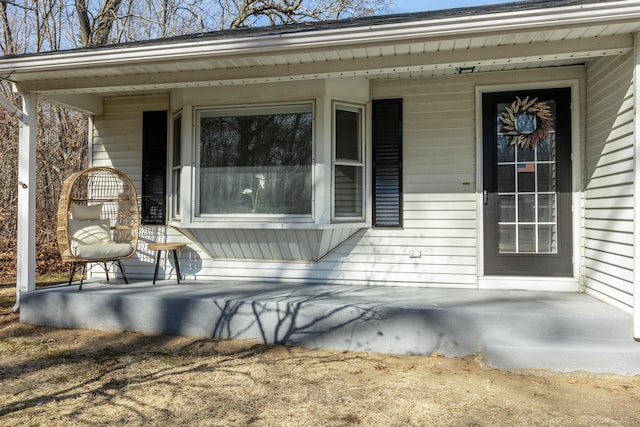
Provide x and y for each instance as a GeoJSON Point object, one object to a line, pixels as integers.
{"type": "Point", "coordinates": [511, 329]}
{"type": "Point", "coordinates": [609, 325]}
{"type": "Point", "coordinates": [561, 353]}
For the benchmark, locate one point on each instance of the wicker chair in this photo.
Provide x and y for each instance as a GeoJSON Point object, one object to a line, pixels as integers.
{"type": "Point", "coordinates": [98, 219]}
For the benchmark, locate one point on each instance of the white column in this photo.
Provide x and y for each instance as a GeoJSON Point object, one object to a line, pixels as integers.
{"type": "Point", "coordinates": [636, 192]}
{"type": "Point", "coordinates": [26, 187]}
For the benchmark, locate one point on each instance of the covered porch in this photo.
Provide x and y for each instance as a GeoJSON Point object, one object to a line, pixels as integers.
{"type": "Point", "coordinates": [507, 329]}
{"type": "Point", "coordinates": [361, 285]}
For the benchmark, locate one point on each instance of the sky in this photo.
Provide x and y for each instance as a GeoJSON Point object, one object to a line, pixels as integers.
{"type": "Point", "coordinates": [420, 5]}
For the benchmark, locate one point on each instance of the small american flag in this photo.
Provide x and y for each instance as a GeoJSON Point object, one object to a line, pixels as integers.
{"type": "Point", "coordinates": [526, 167]}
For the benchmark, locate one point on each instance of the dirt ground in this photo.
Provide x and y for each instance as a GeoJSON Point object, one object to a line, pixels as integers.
{"type": "Point", "coordinates": [59, 377]}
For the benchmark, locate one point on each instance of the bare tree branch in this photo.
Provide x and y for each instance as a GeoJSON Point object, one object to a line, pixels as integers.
{"type": "Point", "coordinates": [248, 13]}
{"type": "Point", "coordinates": [9, 45]}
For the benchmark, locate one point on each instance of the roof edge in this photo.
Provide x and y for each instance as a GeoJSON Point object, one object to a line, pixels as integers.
{"type": "Point", "coordinates": [516, 16]}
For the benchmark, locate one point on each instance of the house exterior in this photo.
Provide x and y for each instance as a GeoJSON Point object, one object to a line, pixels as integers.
{"type": "Point", "coordinates": [492, 147]}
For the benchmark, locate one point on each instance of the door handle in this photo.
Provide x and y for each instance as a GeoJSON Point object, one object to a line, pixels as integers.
{"type": "Point", "coordinates": [485, 196]}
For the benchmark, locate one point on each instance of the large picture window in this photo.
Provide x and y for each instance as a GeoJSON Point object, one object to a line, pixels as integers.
{"type": "Point", "coordinates": [348, 177]}
{"type": "Point", "coordinates": [255, 161]}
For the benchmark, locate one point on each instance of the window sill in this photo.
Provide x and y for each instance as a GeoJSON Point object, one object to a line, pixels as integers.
{"type": "Point", "coordinates": [265, 225]}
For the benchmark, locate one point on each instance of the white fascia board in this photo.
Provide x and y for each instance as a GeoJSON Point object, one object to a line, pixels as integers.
{"type": "Point", "coordinates": [537, 19]}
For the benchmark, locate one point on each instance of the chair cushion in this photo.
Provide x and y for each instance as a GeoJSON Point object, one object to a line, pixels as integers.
{"type": "Point", "coordinates": [84, 212]}
{"type": "Point", "coordinates": [103, 251]}
{"type": "Point", "coordinates": [89, 232]}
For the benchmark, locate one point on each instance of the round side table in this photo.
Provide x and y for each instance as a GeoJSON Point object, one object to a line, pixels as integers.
{"type": "Point", "coordinates": [166, 247]}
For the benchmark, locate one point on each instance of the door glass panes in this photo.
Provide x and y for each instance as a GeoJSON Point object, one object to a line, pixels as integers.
{"type": "Point", "coordinates": [506, 178]}
{"type": "Point", "coordinates": [527, 238]}
{"type": "Point", "coordinates": [506, 151]}
{"type": "Point", "coordinates": [507, 238]}
{"type": "Point", "coordinates": [525, 154]}
{"type": "Point", "coordinates": [507, 208]}
{"type": "Point", "coordinates": [546, 177]}
{"type": "Point", "coordinates": [526, 208]}
{"type": "Point", "coordinates": [526, 181]}
{"type": "Point", "coordinates": [546, 207]}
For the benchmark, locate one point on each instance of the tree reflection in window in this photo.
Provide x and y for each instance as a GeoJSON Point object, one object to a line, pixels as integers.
{"type": "Point", "coordinates": [272, 142]}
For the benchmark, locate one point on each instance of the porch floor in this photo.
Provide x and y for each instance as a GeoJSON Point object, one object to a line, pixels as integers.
{"type": "Point", "coordinates": [507, 329]}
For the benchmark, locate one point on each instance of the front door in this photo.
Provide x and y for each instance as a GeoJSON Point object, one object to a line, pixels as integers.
{"type": "Point", "coordinates": [527, 183]}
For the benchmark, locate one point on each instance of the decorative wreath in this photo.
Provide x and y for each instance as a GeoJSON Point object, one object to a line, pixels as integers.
{"type": "Point", "coordinates": [526, 121]}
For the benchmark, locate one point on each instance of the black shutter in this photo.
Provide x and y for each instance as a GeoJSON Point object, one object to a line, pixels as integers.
{"type": "Point", "coordinates": [154, 164]}
{"type": "Point", "coordinates": [387, 163]}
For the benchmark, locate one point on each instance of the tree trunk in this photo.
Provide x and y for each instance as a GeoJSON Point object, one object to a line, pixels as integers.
{"type": "Point", "coordinates": [96, 33]}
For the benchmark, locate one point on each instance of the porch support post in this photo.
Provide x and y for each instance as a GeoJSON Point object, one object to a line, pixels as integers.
{"type": "Point", "coordinates": [26, 266]}
{"type": "Point", "coordinates": [636, 191]}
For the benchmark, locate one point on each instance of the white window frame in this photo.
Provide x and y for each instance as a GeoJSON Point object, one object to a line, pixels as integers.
{"type": "Point", "coordinates": [360, 109]}
{"type": "Point", "coordinates": [176, 170]}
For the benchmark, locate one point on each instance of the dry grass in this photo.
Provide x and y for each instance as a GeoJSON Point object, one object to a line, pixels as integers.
{"type": "Point", "coordinates": [79, 377]}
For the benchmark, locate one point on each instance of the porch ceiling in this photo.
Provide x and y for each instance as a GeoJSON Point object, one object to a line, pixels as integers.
{"type": "Point", "coordinates": [426, 58]}
{"type": "Point", "coordinates": [517, 39]}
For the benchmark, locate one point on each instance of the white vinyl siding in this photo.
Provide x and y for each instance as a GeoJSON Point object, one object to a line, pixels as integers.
{"type": "Point", "coordinates": [438, 245]}
{"type": "Point", "coordinates": [609, 176]}
{"type": "Point", "coordinates": [117, 142]}
{"type": "Point", "coordinates": [269, 244]}
{"type": "Point", "coordinates": [117, 133]}
{"type": "Point", "coordinates": [439, 151]}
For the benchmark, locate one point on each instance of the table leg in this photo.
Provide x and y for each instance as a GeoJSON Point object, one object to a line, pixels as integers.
{"type": "Point", "coordinates": [155, 274]}
{"type": "Point", "coordinates": [175, 259]}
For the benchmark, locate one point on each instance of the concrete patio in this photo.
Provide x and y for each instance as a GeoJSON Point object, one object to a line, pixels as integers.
{"type": "Point", "coordinates": [508, 329]}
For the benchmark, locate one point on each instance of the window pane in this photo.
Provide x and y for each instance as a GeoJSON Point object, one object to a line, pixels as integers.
{"type": "Point", "coordinates": [507, 238]}
{"type": "Point", "coordinates": [526, 238]}
{"type": "Point", "coordinates": [348, 135]}
{"type": "Point", "coordinates": [507, 208]}
{"type": "Point", "coordinates": [526, 177]}
{"type": "Point", "coordinates": [547, 239]}
{"type": "Point", "coordinates": [506, 151]}
{"type": "Point", "coordinates": [348, 191]}
{"type": "Point", "coordinates": [546, 148]}
{"type": "Point", "coordinates": [506, 179]}
{"type": "Point", "coordinates": [176, 192]}
{"type": "Point", "coordinates": [546, 208]}
{"type": "Point", "coordinates": [177, 144]}
{"type": "Point", "coordinates": [526, 208]}
{"type": "Point", "coordinates": [546, 177]}
{"type": "Point", "coordinates": [525, 154]}
{"type": "Point", "coordinates": [256, 163]}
